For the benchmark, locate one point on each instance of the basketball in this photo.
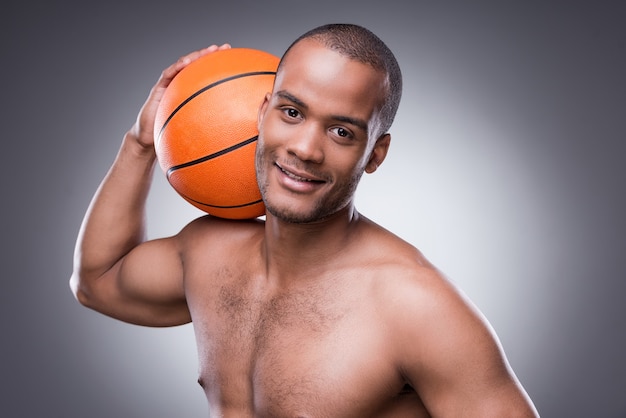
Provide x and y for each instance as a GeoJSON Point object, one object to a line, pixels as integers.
{"type": "Point", "coordinates": [206, 131]}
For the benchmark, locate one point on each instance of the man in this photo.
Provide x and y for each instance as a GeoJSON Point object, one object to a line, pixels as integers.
{"type": "Point", "coordinates": [316, 312]}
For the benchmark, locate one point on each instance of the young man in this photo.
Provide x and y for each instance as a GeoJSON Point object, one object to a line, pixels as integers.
{"type": "Point", "coordinates": [317, 311]}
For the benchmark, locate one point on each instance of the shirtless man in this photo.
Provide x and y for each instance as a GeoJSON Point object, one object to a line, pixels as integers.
{"type": "Point", "coordinates": [316, 311]}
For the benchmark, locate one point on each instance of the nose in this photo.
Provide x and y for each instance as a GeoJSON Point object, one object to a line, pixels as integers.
{"type": "Point", "coordinates": [307, 143]}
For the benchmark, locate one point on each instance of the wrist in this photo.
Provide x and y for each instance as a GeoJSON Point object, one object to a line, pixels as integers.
{"type": "Point", "coordinates": [137, 147]}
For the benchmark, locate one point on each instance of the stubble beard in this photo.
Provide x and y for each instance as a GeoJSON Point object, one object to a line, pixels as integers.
{"type": "Point", "coordinates": [329, 204]}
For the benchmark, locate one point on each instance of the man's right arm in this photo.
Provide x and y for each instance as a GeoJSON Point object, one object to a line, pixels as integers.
{"type": "Point", "coordinates": [116, 272]}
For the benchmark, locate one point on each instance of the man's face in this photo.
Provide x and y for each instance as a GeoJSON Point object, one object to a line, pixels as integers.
{"type": "Point", "coordinates": [316, 133]}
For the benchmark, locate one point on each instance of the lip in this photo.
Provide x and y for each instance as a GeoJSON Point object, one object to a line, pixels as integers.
{"type": "Point", "coordinates": [298, 175]}
{"type": "Point", "coordinates": [297, 180]}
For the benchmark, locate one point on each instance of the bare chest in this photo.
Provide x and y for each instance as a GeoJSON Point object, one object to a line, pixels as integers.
{"type": "Point", "coordinates": [315, 351]}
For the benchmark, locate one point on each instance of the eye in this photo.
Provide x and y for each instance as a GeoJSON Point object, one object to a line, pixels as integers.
{"type": "Point", "coordinates": [342, 132]}
{"type": "Point", "coordinates": [292, 113]}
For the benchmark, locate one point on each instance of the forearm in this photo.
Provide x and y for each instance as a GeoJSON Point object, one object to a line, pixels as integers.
{"type": "Point", "coordinates": [115, 220]}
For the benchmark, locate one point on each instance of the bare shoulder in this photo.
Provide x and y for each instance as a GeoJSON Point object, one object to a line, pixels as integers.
{"type": "Point", "coordinates": [438, 339]}
{"type": "Point", "coordinates": [408, 287]}
{"type": "Point", "coordinates": [411, 290]}
{"type": "Point", "coordinates": [213, 250]}
{"type": "Point", "coordinates": [408, 283]}
{"type": "Point", "coordinates": [218, 233]}
{"type": "Point", "coordinates": [429, 313]}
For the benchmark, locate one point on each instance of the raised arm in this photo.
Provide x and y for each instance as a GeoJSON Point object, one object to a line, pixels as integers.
{"type": "Point", "coordinates": [115, 271]}
{"type": "Point", "coordinates": [452, 357]}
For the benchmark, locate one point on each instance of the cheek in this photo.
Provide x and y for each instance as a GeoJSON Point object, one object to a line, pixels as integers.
{"type": "Point", "coordinates": [267, 132]}
{"type": "Point", "coordinates": [266, 139]}
{"type": "Point", "coordinates": [352, 160]}
{"type": "Point", "coordinates": [276, 131]}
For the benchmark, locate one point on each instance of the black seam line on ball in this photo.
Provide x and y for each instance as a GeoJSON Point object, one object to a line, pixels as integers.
{"type": "Point", "coordinates": [211, 156]}
{"type": "Point", "coordinates": [224, 207]}
{"type": "Point", "coordinates": [202, 90]}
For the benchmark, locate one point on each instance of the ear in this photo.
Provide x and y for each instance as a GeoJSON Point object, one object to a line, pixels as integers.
{"type": "Point", "coordinates": [378, 154]}
{"type": "Point", "coordinates": [262, 109]}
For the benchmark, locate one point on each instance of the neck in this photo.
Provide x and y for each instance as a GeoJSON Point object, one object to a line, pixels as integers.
{"type": "Point", "coordinates": [297, 251]}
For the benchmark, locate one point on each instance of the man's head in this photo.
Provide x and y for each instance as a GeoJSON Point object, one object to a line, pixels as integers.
{"type": "Point", "coordinates": [360, 44]}
{"type": "Point", "coordinates": [325, 122]}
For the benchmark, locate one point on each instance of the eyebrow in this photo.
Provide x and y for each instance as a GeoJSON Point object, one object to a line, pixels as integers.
{"type": "Point", "coordinates": [288, 96]}
{"type": "Point", "coordinates": [359, 123]}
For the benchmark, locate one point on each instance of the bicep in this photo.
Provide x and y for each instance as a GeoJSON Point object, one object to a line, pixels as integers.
{"type": "Point", "coordinates": [145, 287]}
{"type": "Point", "coordinates": [455, 362]}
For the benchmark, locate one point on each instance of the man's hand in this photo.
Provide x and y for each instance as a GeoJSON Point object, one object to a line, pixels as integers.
{"type": "Point", "coordinates": [143, 129]}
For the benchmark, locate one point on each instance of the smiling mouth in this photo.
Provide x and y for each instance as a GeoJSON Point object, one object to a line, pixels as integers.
{"type": "Point", "coordinates": [296, 177]}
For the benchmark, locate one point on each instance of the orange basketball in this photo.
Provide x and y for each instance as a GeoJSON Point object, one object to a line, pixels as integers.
{"type": "Point", "coordinates": [206, 131]}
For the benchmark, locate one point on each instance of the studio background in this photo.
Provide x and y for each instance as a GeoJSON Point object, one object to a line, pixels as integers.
{"type": "Point", "coordinates": [506, 169]}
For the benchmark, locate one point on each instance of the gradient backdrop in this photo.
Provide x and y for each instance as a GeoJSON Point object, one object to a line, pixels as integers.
{"type": "Point", "coordinates": [506, 169]}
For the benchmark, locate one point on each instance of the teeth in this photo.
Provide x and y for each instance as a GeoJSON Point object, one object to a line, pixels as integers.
{"type": "Point", "coordinates": [293, 176]}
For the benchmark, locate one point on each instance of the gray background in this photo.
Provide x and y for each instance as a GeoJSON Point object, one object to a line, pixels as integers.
{"type": "Point", "coordinates": [506, 169]}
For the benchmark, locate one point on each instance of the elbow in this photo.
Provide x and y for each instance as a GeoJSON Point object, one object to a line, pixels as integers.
{"type": "Point", "coordinates": [80, 290]}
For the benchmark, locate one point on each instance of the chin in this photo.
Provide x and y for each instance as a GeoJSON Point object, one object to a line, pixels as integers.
{"type": "Point", "coordinates": [293, 216]}
{"type": "Point", "coordinates": [304, 215]}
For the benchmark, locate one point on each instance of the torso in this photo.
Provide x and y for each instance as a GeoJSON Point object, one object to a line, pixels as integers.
{"type": "Point", "coordinates": [316, 349]}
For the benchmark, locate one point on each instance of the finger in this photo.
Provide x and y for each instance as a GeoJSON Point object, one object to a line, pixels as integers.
{"type": "Point", "coordinates": [170, 72]}
{"type": "Point", "coordinates": [185, 60]}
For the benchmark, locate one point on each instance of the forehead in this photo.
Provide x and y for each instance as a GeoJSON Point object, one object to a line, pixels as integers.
{"type": "Point", "coordinates": [331, 82]}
